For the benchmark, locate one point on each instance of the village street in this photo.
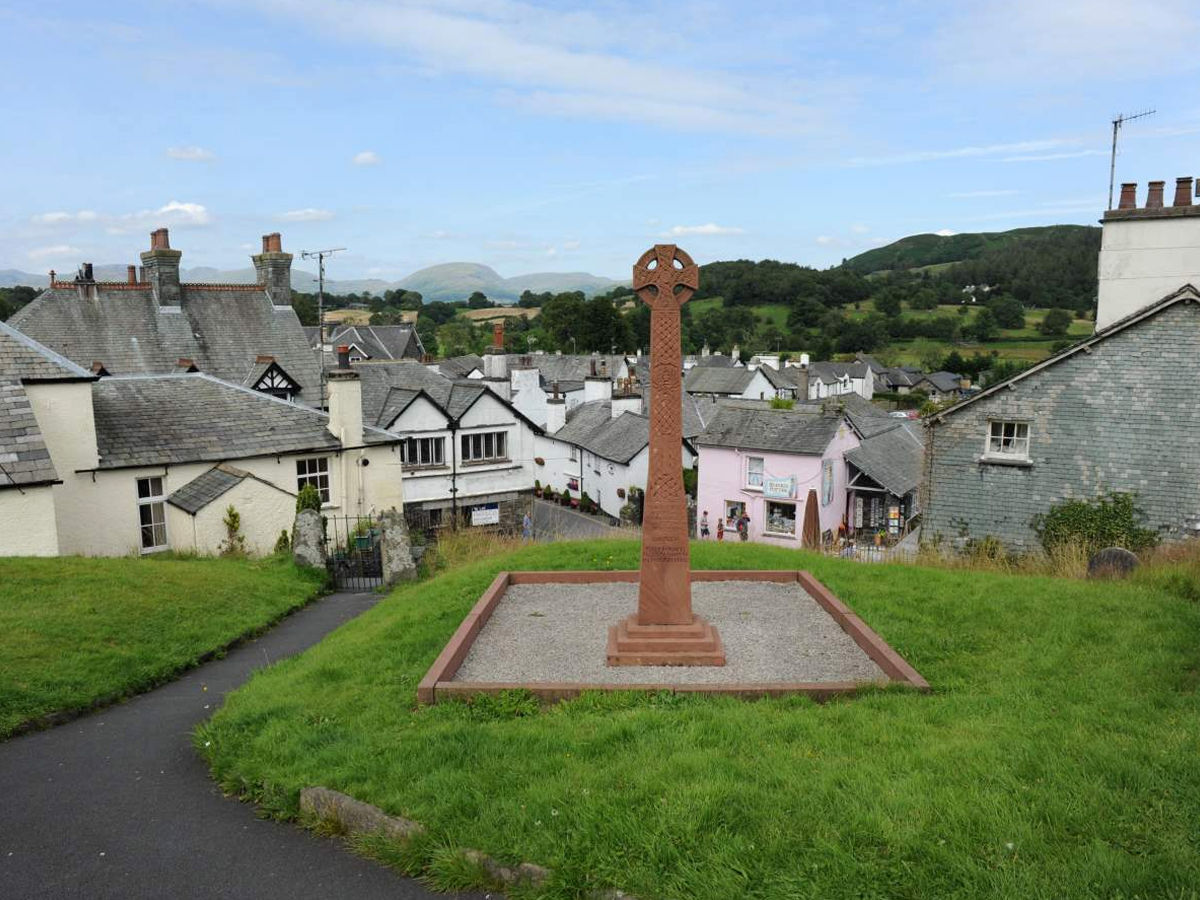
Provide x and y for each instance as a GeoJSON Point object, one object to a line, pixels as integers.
{"type": "Point", "coordinates": [118, 804]}
{"type": "Point", "coordinates": [552, 522]}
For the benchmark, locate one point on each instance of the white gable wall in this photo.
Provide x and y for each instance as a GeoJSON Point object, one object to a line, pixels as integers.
{"type": "Point", "coordinates": [30, 524]}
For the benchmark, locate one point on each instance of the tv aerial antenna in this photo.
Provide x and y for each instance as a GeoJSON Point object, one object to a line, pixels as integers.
{"type": "Point", "coordinates": [319, 256]}
{"type": "Point", "coordinates": [1120, 120]}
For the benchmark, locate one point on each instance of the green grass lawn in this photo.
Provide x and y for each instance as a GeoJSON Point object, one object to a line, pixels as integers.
{"type": "Point", "coordinates": [76, 631]}
{"type": "Point", "coordinates": [1056, 756]}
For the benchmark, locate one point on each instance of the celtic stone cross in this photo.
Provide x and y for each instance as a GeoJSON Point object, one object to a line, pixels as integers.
{"type": "Point", "coordinates": [664, 631]}
{"type": "Point", "coordinates": [665, 278]}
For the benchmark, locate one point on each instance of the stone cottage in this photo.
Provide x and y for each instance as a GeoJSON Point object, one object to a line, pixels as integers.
{"type": "Point", "coordinates": [1115, 412]}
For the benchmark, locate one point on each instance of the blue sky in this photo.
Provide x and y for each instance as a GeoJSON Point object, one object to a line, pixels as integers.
{"type": "Point", "coordinates": [538, 136]}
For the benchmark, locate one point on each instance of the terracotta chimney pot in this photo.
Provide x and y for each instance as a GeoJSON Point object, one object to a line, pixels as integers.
{"type": "Point", "coordinates": [160, 239]}
{"type": "Point", "coordinates": [131, 274]}
{"type": "Point", "coordinates": [1154, 199]}
{"type": "Point", "coordinates": [1128, 196]}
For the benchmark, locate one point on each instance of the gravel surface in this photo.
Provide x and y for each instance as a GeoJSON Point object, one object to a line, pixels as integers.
{"type": "Point", "coordinates": [558, 633]}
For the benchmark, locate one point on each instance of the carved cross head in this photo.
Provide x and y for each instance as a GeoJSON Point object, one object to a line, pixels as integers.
{"type": "Point", "coordinates": [665, 276]}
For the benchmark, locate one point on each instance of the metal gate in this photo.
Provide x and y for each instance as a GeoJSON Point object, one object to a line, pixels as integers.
{"type": "Point", "coordinates": [354, 552]}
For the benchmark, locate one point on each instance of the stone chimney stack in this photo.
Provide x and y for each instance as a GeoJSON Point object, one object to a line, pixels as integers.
{"type": "Point", "coordinates": [495, 364]}
{"type": "Point", "coordinates": [626, 398]}
{"type": "Point", "coordinates": [556, 411]}
{"type": "Point", "coordinates": [274, 269]}
{"type": "Point", "coordinates": [161, 265]}
{"type": "Point", "coordinates": [802, 390]}
{"type": "Point", "coordinates": [1149, 252]}
{"type": "Point", "coordinates": [596, 387]}
{"type": "Point", "coordinates": [345, 402]}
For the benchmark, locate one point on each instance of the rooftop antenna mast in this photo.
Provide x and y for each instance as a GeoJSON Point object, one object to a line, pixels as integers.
{"type": "Point", "coordinates": [319, 256]}
{"type": "Point", "coordinates": [1120, 120]}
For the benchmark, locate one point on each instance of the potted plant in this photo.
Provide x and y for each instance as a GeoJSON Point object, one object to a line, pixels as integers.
{"type": "Point", "coordinates": [537, 488]}
{"type": "Point", "coordinates": [548, 493]}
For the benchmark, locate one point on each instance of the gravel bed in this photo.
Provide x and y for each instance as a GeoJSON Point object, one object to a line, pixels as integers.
{"type": "Point", "coordinates": [559, 632]}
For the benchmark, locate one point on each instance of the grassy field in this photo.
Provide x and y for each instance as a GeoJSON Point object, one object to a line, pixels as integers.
{"type": "Point", "coordinates": [75, 631]}
{"type": "Point", "coordinates": [1055, 758]}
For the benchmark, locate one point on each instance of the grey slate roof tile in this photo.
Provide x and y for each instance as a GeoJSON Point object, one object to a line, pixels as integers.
{"type": "Point", "coordinates": [204, 489]}
{"type": "Point", "coordinates": [170, 419]}
{"type": "Point", "coordinates": [380, 341]}
{"type": "Point", "coordinates": [223, 331]}
{"type": "Point", "coordinates": [592, 426]}
{"type": "Point", "coordinates": [713, 380]}
{"type": "Point", "coordinates": [891, 458]}
{"type": "Point", "coordinates": [24, 459]}
{"type": "Point", "coordinates": [805, 429]}
{"type": "Point", "coordinates": [23, 357]}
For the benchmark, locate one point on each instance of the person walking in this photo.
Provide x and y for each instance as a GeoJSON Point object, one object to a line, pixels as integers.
{"type": "Point", "coordinates": [743, 527]}
{"type": "Point", "coordinates": [720, 529]}
{"type": "Point", "coordinates": [704, 525]}
{"type": "Point", "coordinates": [527, 527]}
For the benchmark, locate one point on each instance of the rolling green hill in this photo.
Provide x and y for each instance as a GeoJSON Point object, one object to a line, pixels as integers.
{"type": "Point", "coordinates": [919, 250]}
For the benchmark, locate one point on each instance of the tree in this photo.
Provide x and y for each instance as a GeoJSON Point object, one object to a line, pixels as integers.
{"type": "Point", "coordinates": [304, 305]}
{"type": "Point", "coordinates": [806, 313]}
{"type": "Point", "coordinates": [479, 300]}
{"type": "Point", "coordinates": [439, 312]}
{"type": "Point", "coordinates": [925, 298]}
{"type": "Point", "coordinates": [427, 331]}
{"type": "Point", "coordinates": [458, 337]}
{"type": "Point", "coordinates": [1008, 310]}
{"type": "Point", "coordinates": [887, 302]}
{"type": "Point", "coordinates": [562, 319]}
{"type": "Point", "coordinates": [985, 327]}
{"type": "Point", "coordinates": [1056, 324]}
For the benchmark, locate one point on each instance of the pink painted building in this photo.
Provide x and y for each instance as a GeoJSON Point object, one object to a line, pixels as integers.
{"type": "Point", "coordinates": [774, 465]}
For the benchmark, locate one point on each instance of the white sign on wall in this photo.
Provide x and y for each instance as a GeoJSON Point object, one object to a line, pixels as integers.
{"type": "Point", "coordinates": [485, 515]}
{"type": "Point", "coordinates": [780, 488]}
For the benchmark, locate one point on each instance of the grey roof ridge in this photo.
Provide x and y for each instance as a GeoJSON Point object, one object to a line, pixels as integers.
{"type": "Point", "coordinates": [1187, 292]}
{"type": "Point", "coordinates": [56, 358]}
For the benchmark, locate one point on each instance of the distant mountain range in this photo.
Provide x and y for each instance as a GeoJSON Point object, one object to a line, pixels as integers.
{"type": "Point", "coordinates": [449, 281]}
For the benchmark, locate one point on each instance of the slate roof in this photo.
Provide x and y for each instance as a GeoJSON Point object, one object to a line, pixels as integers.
{"type": "Point", "coordinates": [715, 361]}
{"type": "Point", "coordinates": [592, 427]}
{"type": "Point", "coordinates": [24, 358]}
{"type": "Point", "coordinates": [460, 366]}
{"type": "Point", "coordinates": [900, 376]}
{"type": "Point", "coordinates": [381, 341]}
{"type": "Point", "coordinates": [712, 380]}
{"type": "Point", "coordinates": [24, 459]}
{"type": "Point", "coordinates": [891, 458]}
{"type": "Point", "coordinates": [754, 426]}
{"type": "Point", "coordinates": [946, 382]}
{"type": "Point", "coordinates": [204, 489]}
{"type": "Point", "coordinates": [868, 418]}
{"type": "Point", "coordinates": [833, 372]}
{"type": "Point", "coordinates": [170, 419]}
{"type": "Point", "coordinates": [223, 331]}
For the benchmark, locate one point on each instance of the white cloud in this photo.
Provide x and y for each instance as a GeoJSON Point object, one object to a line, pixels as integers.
{"type": "Point", "coordinates": [826, 240]}
{"type": "Point", "coordinates": [81, 217]}
{"type": "Point", "coordinates": [945, 232]}
{"type": "Point", "coordinates": [308, 214]}
{"type": "Point", "coordinates": [859, 228]}
{"type": "Point", "coordinates": [53, 252]}
{"type": "Point", "coordinates": [709, 229]}
{"type": "Point", "coordinates": [560, 62]}
{"type": "Point", "coordinates": [970, 195]}
{"type": "Point", "coordinates": [1042, 157]}
{"type": "Point", "coordinates": [174, 214]}
{"type": "Point", "coordinates": [571, 245]}
{"type": "Point", "coordinates": [915, 156]}
{"type": "Point", "coordinates": [191, 154]}
{"type": "Point", "coordinates": [367, 158]}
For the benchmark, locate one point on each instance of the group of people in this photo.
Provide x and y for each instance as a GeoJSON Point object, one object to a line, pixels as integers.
{"type": "Point", "coordinates": [741, 523]}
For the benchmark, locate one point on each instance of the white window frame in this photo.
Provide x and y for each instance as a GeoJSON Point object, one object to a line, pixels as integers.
{"type": "Point", "coordinates": [768, 530]}
{"type": "Point", "coordinates": [426, 453]}
{"type": "Point", "coordinates": [1007, 439]}
{"type": "Point", "coordinates": [483, 447]}
{"type": "Point", "coordinates": [761, 473]}
{"type": "Point", "coordinates": [155, 503]}
{"type": "Point", "coordinates": [314, 470]}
